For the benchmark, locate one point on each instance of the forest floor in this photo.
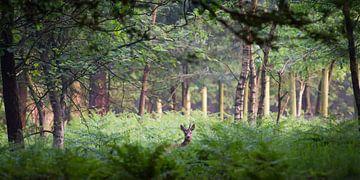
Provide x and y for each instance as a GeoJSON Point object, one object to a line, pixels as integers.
{"type": "Point", "coordinates": [124, 146]}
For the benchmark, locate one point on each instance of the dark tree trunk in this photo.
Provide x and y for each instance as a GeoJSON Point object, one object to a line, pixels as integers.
{"type": "Point", "coordinates": [263, 81]}
{"type": "Point", "coordinates": [264, 66]}
{"type": "Point", "coordinates": [352, 56]}
{"type": "Point", "coordinates": [23, 94]}
{"type": "Point", "coordinates": [58, 133]}
{"type": "Point", "coordinates": [98, 92]}
{"type": "Point", "coordinates": [144, 90]}
{"type": "Point", "coordinates": [279, 98]}
{"type": "Point", "coordinates": [308, 104]}
{"type": "Point", "coordinates": [10, 89]}
{"type": "Point", "coordinates": [318, 99]}
{"type": "Point", "coordinates": [240, 89]}
{"type": "Point", "coordinates": [331, 69]}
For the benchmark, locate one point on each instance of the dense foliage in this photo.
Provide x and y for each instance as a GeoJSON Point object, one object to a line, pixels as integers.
{"type": "Point", "coordinates": [123, 146]}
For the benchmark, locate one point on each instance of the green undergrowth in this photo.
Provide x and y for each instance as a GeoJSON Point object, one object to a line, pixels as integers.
{"type": "Point", "coordinates": [126, 147]}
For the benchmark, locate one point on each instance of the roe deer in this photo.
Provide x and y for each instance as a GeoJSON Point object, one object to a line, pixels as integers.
{"type": "Point", "coordinates": [187, 133]}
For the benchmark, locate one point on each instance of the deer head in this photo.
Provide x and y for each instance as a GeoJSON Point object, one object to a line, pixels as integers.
{"type": "Point", "coordinates": [187, 133]}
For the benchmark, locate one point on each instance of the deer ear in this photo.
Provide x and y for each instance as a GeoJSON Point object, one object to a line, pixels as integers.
{"type": "Point", "coordinates": [193, 127]}
{"type": "Point", "coordinates": [182, 127]}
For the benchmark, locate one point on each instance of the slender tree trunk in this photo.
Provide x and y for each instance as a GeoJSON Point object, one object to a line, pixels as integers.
{"type": "Point", "coordinates": [318, 98]}
{"type": "Point", "coordinates": [23, 94]}
{"type": "Point", "coordinates": [253, 92]}
{"type": "Point", "coordinates": [320, 85]}
{"type": "Point", "coordinates": [308, 104]}
{"type": "Point", "coordinates": [174, 98]}
{"type": "Point", "coordinates": [324, 92]}
{"type": "Point", "coordinates": [108, 89]}
{"type": "Point", "coordinates": [98, 92]}
{"type": "Point", "coordinates": [240, 89]}
{"type": "Point", "coordinates": [264, 101]}
{"type": "Point", "coordinates": [204, 101]}
{"type": "Point", "coordinates": [331, 70]}
{"type": "Point", "coordinates": [300, 99]}
{"type": "Point", "coordinates": [10, 89]}
{"type": "Point", "coordinates": [188, 103]}
{"type": "Point", "coordinates": [267, 96]}
{"type": "Point", "coordinates": [221, 100]}
{"type": "Point", "coordinates": [263, 82]}
{"type": "Point", "coordinates": [144, 89]}
{"type": "Point", "coordinates": [58, 133]}
{"type": "Point", "coordinates": [185, 83]}
{"type": "Point", "coordinates": [246, 98]}
{"type": "Point", "coordinates": [293, 95]}
{"type": "Point", "coordinates": [279, 98]}
{"type": "Point", "coordinates": [247, 65]}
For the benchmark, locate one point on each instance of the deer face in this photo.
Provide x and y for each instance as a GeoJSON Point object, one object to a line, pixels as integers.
{"type": "Point", "coordinates": [188, 131]}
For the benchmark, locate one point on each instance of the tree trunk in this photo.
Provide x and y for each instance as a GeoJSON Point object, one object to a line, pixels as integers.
{"type": "Point", "coordinates": [159, 106]}
{"type": "Point", "coordinates": [308, 104]}
{"type": "Point", "coordinates": [188, 103]}
{"type": "Point", "coordinates": [98, 92]}
{"type": "Point", "coordinates": [145, 86]}
{"type": "Point", "coordinates": [23, 94]}
{"type": "Point", "coordinates": [144, 89]}
{"type": "Point", "coordinates": [264, 101]}
{"type": "Point", "coordinates": [246, 98]}
{"type": "Point", "coordinates": [293, 95]}
{"type": "Point", "coordinates": [300, 99]}
{"type": "Point", "coordinates": [58, 133]}
{"type": "Point", "coordinates": [247, 63]}
{"type": "Point", "coordinates": [253, 91]}
{"type": "Point", "coordinates": [185, 83]}
{"type": "Point", "coordinates": [221, 100]}
{"type": "Point", "coordinates": [279, 98]}
{"type": "Point", "coordinates": [352, 57]}
{"type": "Point", "coordinates": [174, 103]}
{"type": "Point", "coordinates": [264, 82]}
{"type": "Point", "coordinates": [318, 99]}
{"type": "Point", "coordinates": [331, 70]}
{"type": "Point", "coordinates": [267, 96]}
{"type": "Point", "coordinates": [324, 93]}
{"type": "Point", "coordinates": [240, 89]}
{"type": "Point", "coordinates": [204, 101]}
{"type": "Point", "coordinates": [10, 89]}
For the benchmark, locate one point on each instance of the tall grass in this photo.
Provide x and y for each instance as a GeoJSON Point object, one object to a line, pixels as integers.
{"type": "Point", "coordinates": [126, 147]}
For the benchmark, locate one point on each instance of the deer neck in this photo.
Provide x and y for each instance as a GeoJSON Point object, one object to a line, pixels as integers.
{"type": "Point", "coordinates": [185, 142]}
